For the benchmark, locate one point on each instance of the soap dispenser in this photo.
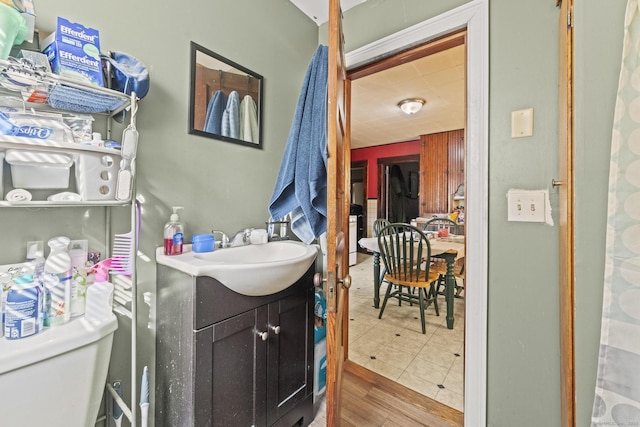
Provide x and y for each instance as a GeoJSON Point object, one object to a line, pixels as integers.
{"type": "Point", "coordinates": [173, 234]}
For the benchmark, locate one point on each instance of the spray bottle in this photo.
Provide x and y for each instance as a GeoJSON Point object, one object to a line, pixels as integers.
{"type": "Point", "coordinates": [173, 234]}
{"type": "Point", "coordinates": [35, 257]}
{"type": "Point", "coordinates": [100, 293]}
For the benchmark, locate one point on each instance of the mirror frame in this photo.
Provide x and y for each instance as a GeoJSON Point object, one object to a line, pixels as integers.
{"type": "Point", "coordinates": [208, 72]}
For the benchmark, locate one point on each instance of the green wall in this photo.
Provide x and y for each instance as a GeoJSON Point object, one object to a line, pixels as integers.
{"type": "Point", "coordinates": [523, 345]}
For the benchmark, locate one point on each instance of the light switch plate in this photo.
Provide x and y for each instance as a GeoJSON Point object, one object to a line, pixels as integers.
{"type": "Point", "coordinates": [526, 206]}
{"type": "Point", "coordinates": [522, 123]}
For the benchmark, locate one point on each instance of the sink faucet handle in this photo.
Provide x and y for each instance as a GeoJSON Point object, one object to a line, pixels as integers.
{"type": "Point", "coordinates": [246, 235]}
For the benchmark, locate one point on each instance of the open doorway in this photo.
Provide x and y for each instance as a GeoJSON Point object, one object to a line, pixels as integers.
{"type": "Point", "coordinates": [431, 364]}
{"type": "Point", "coordinates": [474, 17]}
{"type": "Point", "coordinates": [399, 188]}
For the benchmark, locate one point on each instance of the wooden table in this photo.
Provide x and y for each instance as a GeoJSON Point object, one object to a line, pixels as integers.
{"type": "Point", "coordinates": [446, 248]}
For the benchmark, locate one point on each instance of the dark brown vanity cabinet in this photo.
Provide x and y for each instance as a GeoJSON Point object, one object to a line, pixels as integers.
{"type": "Point", "coordinates": [245, 361]}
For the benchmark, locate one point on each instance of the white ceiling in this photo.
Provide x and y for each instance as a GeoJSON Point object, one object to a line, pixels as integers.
{"type": "Point", "coordinates": [376, 118]}
{"type": "Point", "coordinates": [319, 10]}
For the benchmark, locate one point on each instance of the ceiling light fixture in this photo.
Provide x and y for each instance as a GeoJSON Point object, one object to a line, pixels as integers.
{"type": "Point", "coordinates": [411, 105]}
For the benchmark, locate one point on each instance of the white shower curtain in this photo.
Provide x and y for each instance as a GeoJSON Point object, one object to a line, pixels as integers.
{"type": "Point", "coordinates": [617, 394]}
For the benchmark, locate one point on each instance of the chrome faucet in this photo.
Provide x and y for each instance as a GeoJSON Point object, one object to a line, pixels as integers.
{"type": "Point", "coordinates": [224, 239]}
{"type": "Point", "coordinates": [241, 238]}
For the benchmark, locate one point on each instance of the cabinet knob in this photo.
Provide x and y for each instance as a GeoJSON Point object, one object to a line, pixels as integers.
{"type": "Point", "coordinates": [276, 329]}
{"type": "Point", "coordinates": [263, 335]}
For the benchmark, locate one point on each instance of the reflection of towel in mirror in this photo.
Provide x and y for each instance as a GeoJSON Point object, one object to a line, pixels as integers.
{"type": "Point", "coordinates": [215, 108]}
{"type": "Point", "coordinates": [231, 116]}
{"type": "Point", "coordinates": [249, 120]}
{"type": "Point", "coordinates": [301, 187]}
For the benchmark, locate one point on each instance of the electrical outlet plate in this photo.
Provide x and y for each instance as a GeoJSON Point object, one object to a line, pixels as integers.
{"type": "Point", "coordinates": [522, 123]}
{"type": "Point", "coordinates": [526, 206]}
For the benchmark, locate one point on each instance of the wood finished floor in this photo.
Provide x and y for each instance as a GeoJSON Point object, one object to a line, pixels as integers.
{"type": "Point", "coordinates": [371, 400]}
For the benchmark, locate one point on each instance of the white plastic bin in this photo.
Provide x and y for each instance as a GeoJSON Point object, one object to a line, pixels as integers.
{"type": "Point", "coordinates": [96, 175]}
{"type": "Point", "coordinates": [39, 169]}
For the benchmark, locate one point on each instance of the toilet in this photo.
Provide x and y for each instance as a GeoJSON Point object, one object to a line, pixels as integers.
{"type": "Point", "coordinates": [56, 377]}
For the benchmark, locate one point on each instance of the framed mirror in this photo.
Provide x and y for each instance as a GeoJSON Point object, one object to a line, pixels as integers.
{"type": "Point", "coordinates": [226, 99]}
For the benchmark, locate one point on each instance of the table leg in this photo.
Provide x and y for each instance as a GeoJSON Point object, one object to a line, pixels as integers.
{"type": "Point", "coordinates": [376, 279]}
{"type": "Point", "coordinates": [450, 284]}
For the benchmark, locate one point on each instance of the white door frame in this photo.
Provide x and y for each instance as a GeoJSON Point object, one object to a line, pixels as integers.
{"type": "Point", "coordinates": [474, 16]}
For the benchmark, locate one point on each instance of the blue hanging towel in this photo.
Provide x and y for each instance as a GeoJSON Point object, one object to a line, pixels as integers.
{"type": "Point", "coordinates": [215, 109]}
{"type": "Point", "coordinates": [231, 116]}
{"type": "Point", "coordinates": [301, 186]}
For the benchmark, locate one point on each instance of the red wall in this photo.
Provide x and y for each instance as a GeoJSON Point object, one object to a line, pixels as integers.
{"type": "Point", "coordinates": [372, 154]}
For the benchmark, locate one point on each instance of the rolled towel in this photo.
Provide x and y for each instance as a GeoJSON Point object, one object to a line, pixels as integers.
{"type": "Point", "coordinates": [18, 195]}
{"type": "Point", "coordinates": [65, 196]}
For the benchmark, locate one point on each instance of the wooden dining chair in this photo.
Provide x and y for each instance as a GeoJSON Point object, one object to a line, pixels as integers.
{"type": "Point", "coordinates": [378, 225]}
{"type": "Point", "coordinates": [435, 224]}
{"type": "Point", "coordinates": [453, 228]}
{"type": "Point", "coordinates": [403, 249]}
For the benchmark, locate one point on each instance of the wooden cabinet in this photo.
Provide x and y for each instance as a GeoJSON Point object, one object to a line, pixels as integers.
{"type": "Point", "coordinates": [245, 361]}
{"type": "Point", "coordinates": [442, 166]}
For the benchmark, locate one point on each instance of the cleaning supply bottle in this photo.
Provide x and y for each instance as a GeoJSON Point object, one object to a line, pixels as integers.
{"type": "Point", "coordinates": [35, 261]}
{"type": "Point", "coordinates": [173, 234]}
{"type": "Point", "coordinates": [22, 308]}
{"type": "Point", "coordinates": [100, 293]}
{"type": "Point", "coordinates": [78, 251]}
{"type": "Point", "coordinates": [35, 258]}
{"type": "Point", "coordinates": [57, 283]}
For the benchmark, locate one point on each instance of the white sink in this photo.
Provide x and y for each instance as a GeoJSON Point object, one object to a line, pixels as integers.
{"type": "Point", "coordinates": [252, 270]}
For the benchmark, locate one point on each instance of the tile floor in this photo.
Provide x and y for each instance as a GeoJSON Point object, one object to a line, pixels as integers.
{"type": "Point", "coordinates": [394, 346]}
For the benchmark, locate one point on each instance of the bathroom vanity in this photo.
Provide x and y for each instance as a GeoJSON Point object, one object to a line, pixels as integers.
{"type": "Point", "coordinates": [227, 359]}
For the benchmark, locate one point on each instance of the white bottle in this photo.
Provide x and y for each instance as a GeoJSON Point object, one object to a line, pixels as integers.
{"type": "Point", "coordinates": [100, 294]}
{"type": "Point", "coordinates": [57, 282]}
{"type": "Point", "coordinates": [78, 250]}
{"type": "Point", "coordinates": [173, 234]}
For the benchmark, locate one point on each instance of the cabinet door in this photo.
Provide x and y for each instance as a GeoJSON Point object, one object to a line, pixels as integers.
{"type": "Point", "coordinates": [290, 354]}
{"type": "Point", "coordinates": [434, 193]}
{"type": "Point", "coordinates": [237, 371]}
{"type": "Point", "coordinates": [442, 163]}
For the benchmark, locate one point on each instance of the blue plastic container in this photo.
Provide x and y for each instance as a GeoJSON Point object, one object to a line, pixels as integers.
{"type": "Point", "coordinates": [202, 242]}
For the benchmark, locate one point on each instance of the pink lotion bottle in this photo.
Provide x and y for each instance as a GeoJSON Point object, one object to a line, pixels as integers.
{"type": "Point", "coordinates": [173, 234]}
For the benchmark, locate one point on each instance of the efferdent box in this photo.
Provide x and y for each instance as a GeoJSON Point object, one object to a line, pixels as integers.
{"type": "Point", "coordinates": [74, 52]}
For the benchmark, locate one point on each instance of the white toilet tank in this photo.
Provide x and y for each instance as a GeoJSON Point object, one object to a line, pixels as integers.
{"type": "Point", "coordinates": [56, 377]}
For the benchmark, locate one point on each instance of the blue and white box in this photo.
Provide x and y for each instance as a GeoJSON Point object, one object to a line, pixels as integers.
{"type": "Point", "coordinates": [319, 369]}
{"type": "Point", "coordinates": [73, 51]}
